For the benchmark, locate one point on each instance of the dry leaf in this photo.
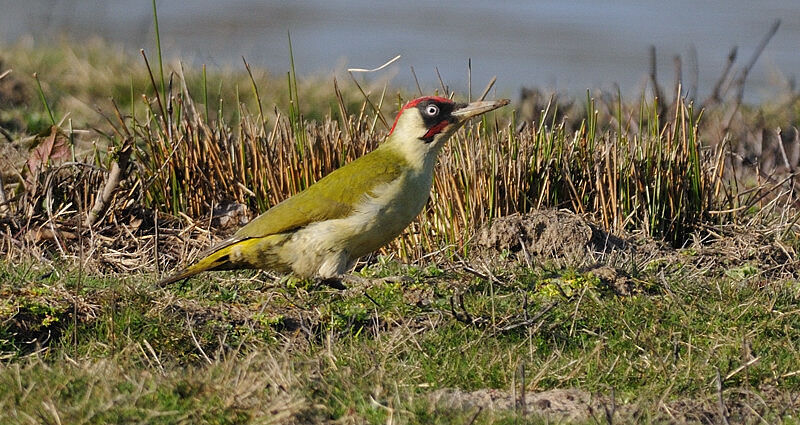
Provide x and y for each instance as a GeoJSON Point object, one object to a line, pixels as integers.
{"type": "Point", "coordinates": [51, 148]}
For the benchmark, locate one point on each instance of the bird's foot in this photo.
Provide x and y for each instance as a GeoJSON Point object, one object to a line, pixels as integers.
{"type": "Point", "coordinates": [396, 279]}
{"type": "Point", "coordinates": [332, 282]}
{"type": "Point", "coordinates": [358, 281]}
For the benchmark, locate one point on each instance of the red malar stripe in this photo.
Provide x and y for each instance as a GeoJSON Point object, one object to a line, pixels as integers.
{"type": "Point", "coordinates": [436, 129]}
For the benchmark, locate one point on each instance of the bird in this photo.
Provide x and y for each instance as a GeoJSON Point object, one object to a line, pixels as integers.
{"type": "Point", "coordinates": [321, 231]}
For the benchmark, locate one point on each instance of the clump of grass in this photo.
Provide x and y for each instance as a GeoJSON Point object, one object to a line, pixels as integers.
{"type": "Point", "coordinates": [257, 388]}
{"type": "Point", "coordinates": [660, 179]}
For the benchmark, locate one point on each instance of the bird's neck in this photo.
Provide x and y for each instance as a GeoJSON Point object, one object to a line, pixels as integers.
{"type": "Point", "coordinates": [420, 157]}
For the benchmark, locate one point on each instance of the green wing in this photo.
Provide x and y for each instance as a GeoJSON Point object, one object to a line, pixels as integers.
{"type": "Point", "coordinates": [332, 197]}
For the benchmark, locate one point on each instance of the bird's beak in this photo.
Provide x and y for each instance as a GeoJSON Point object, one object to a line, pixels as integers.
{"type": "Point", "coordinates": [477, 108]}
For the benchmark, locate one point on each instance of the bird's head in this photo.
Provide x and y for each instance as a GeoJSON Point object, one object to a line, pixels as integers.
{"type": "Point", "coordinates": [424, 124]}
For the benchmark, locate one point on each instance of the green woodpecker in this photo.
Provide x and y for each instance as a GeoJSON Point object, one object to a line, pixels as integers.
{"type": "Point", "coordinates": [321, 231]}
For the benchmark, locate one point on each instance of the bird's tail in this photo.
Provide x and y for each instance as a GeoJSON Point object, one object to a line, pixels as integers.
{"type": "Point", "coordinates": [218, 258]}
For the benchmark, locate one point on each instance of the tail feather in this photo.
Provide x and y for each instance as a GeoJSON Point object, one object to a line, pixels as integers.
{"type": "Point", "coordinates": [218, 259]}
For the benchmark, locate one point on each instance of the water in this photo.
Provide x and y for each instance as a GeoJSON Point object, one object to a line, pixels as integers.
{"type": "Point", "coordinates": [568, 46]}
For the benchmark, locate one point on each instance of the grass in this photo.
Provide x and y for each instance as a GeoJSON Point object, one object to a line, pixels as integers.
{"type": "Point", "coordinates": [244, 350]}
{"type": "Point", "coordinates": [706, 332]}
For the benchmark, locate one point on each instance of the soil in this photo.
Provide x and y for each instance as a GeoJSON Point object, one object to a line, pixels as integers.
{"type": "Point", "coordinates": [573, 405]}
{"type": "Point", "coordinates": [565, 239]}
{"type": "Point", "coordinates": [558, 404]}
{"type": "Point", "coordinates": [559, 237]}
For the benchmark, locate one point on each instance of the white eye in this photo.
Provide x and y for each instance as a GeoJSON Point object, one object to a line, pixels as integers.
{"type": "Point", "coordinates": [432, 110]}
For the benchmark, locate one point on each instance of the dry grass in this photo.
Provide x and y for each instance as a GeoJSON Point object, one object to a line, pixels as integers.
{"type": "Point", "coordinates": [255, 388]}
{"type": "Point", "coordinates": [658, 178]}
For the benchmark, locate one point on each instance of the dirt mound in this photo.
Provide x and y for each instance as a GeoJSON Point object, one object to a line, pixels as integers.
{"type": "Point", "coordinates": [549, 234]}
{"type": "Point", "coordinates": [563, 238]}
{"type": "Point", "coordinates": [573, 405]}
{"type": "Point", "coordinates": [558, 404]}
{"type": "Point", "coordinates": [743, 252]}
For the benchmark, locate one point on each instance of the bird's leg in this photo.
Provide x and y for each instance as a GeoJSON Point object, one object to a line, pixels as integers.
{"type": "Point", "coordinates": [360, 284]}
{"type": "Point", "coordinates": [397, 279]}
{"type": "Point", "coordinates": [343, 282]}
{"type": "Point", "coordinates": [357, 281]}
{"type": "Point", "coordinates": [332, 282]}
{"type": "Point", "coordinates": [338, 282]}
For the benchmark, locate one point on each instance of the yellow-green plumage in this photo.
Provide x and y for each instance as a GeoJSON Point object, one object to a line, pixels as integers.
{"type": "Point", "coordinates": [331, 197]}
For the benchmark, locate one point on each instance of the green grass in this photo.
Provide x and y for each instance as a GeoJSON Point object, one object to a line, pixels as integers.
{"type": "Point", "coordinates": [227, 348]}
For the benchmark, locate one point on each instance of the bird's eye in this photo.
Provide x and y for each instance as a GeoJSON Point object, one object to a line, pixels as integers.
{"type": "Point", "coordinates": [432, 110]}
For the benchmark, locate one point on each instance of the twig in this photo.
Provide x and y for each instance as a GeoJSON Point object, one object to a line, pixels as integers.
{"type": "Point", "coordinates": [419, 88]}
{"type": "Point", "coordinates": [760, 195]}
{"type": "Point", "coordinates": [369, 297]}
{"type": "Point", "coordinates": [610, 412]}
{"type": "Point", "coordinates": [445, 91]}
{"type": "Point", "coordinates": [656, 88]}
{"type": "Point", "coordinates": [466, 317]}
{"type": "Point", "coordinates": [49, 208]}
{"type": "Point", "coordinates": [475, 416]}
{"type": "Point", "coordinates": [469, 79]}
{"type": "Point", "coordinates": [80, 276]}
{"type": "Point", "coordinates": [523, 401]}
{"type": "Point", "coordinates": [152, 353]}
{"type": "Point", "coordinates": [786, 162]}
{"type": "Point", "coordinates": [6, 134]}
{"type": "Point", "coordinates": [155, 86]}
{"type": "Point", "coordinates": [678, 64]}
{"type": "Point", "coordinates": [3, 200]}
{"type": "Point", "coordinates": [155, 244]}
{"type": "Point", "coordinates": [525, 253]}
{"type": "Point", "coordinates": [530, 321]}
{"type": "Point", "coordinates": [746, 70]}
{"type": "Point", "coordinates": [742, 367]}
{"type": "Point", "coordinates": [756, 54]}
{"type": "Point", "coordinates": [492, 277]}
{"type": "Point", "coordinates": [194, 339]}
{"type": "Point", "coordinates": [391, 61]}
{"type": "Point", "coordinates": [375, 108]}
{"type": "Point", "coordinates": [694, 72]}
{"type": "Point", "coordinates": [114, 176]}
{"type": "Point", "coordinates": [783, 150]}
{"type": "Point", "coordinates": [342, 110]}
{"type": "Point", "coordinates": [720, 402]}
{"type": "Point", "coordinates": [488, 87]}
{"type": "Point", "coordinates": [51, 408]}
{"type": "Point", "coordinates": [470, 269]}
{"type": "Point", "coordinates": [716, 96]}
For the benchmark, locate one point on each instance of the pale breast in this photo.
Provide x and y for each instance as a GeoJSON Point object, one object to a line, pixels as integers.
{"type": "Point", "coordinates": [382, 217]}
{"type": "Point", "coordinates": [328, 248]}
